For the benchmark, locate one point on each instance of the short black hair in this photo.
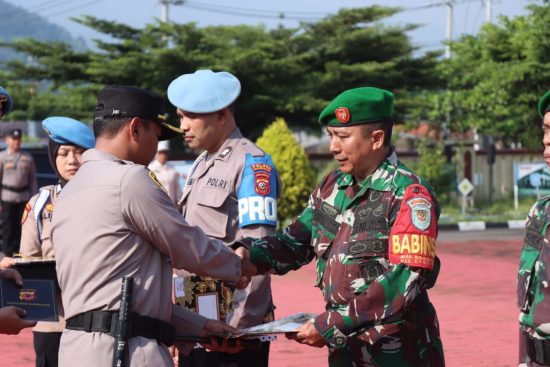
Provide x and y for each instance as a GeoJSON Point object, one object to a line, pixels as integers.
{"type": "Point", "coordinates": [386, 127]}
{"type": "Point", "coordinates": [110, 126]}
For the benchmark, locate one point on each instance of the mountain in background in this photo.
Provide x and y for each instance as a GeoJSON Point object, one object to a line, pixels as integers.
{"type": "Point", "coordinates": [16, 22]}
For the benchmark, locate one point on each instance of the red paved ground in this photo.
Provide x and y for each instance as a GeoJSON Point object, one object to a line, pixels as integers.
{"type": "Point", "coordinates": [474, 297]}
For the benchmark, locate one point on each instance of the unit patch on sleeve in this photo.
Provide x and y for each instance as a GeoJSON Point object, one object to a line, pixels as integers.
{"type": "Point", "coordinates": [413, 234]}
{"type": "Point", "coordinates": [421, 215]}
{"type": "Point", "coordinates": [257, 193]}
{"type": "Point", "coordinates": [262, 174]}
{"type": "Point", "coordinates": [28, 208]}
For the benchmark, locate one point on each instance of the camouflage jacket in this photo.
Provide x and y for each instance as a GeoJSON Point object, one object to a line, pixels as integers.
{"type": "Point", "coordinates": [534, 273]}
{"type": "Point", "coordinates": [374, 242]}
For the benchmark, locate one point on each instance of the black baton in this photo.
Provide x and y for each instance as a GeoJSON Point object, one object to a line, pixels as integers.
{"type": "Point", "coordinates": [122, 324]}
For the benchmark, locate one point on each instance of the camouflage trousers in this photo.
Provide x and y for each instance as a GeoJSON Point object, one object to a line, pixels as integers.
{"type": "Point", "coordinates": [396, 350]}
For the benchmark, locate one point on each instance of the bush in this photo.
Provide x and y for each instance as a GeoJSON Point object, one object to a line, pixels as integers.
{"type": "Point", "coordinates": [296, 172]}
{"type": "Point", "coordinates": [433, 166]}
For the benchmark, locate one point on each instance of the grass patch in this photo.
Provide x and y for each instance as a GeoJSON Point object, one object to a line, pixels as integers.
{"type": "Point", "coordinates": [500, 210]}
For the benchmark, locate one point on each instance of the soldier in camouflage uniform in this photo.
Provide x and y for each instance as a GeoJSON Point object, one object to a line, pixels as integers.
{"type": "Point", "coordinates": [372, 226]}
{"type": "Point", "coordinates": [534, 271]}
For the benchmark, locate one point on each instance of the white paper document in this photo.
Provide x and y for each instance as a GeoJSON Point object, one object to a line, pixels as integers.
{"type": "Point", "coordinates": [207, 305]}
{"type": "Point", "coordinates": [287, 324]}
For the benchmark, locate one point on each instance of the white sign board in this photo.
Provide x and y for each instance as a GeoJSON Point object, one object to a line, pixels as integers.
{"type": "Point", "coordinates": [465, 187]}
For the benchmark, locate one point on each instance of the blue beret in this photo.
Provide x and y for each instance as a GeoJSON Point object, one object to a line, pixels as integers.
{"type": "Point", "coordinates": [65, 130]}
{"type": "Point", "coordinates": [9, 105]}
{"type": "Point", "coordinates": [204, 91]}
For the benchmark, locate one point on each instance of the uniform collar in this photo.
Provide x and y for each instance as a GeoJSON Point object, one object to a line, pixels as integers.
{"type": "Point", "coordinates": [98, 155]}
{"type": "Point", "coordinates": [229, 145]}
{"type": "Point", "coordinates": [378, 180]}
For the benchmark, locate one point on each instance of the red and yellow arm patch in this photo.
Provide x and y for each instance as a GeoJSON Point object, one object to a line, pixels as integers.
{"type": "Point", "coordinates": [28, 208]}
{"type": "Point", "coordinates": [412, 237]}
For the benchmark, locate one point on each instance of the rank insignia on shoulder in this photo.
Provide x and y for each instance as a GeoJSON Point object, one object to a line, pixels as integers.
{"type": "Point", "coordinates": [155, 179]}
{"type": "Point", "coordinates": [225, 152]}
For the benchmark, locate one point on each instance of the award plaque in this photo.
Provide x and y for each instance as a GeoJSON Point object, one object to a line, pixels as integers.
{"type": "Point", "coordinates": [206, 296]}
{"type": "Point", "coordinates": [37, 297]}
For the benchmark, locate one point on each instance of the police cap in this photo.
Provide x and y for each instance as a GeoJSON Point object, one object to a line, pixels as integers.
{"type": "Point", "coordinates": [359, 106]}
{"type": "Point", "coordinates": [126, 101]}
{"type": "Point", "coordinates": [204, 91]}
{"type": "Point", "coordinates": [65, 130]}
{"type": "Point", "coordinates": [544, 104]}
{"type": "Point", "coordinates": [15, 133]}
{"type": "Point", "coordinates": [8, 105]}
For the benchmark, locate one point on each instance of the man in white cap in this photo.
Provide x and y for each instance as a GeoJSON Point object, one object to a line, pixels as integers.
{"type": "Point", "coordinates": [166, 174]}
{"type": "Point", "coordinates": [231, 193]}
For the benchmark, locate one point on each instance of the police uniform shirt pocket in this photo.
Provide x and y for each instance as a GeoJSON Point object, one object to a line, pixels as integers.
{"type": "Point", "coordinates": [211, 216]}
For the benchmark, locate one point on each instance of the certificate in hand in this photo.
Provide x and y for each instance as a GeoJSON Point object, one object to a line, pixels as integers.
{"type": "Point", "coordinates": [36, 268]}
{"type": "Point", "coordinates": [37, 297]}
{"type": "Point", "coordinates": [289, 324]}
{"type": "Point", "coordinates": [265, 332]}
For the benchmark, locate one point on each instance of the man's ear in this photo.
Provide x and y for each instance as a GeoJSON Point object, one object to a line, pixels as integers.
{"type": "Point", "coordinates": [378, 139]}
{"type": "Point", "coordinates": [222, 114]}
{"type": "Point", "coordinates": [134, 127]}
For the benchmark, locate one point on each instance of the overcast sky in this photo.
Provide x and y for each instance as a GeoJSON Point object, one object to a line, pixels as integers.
{"type": "Point", "coordinates": [468, 14]}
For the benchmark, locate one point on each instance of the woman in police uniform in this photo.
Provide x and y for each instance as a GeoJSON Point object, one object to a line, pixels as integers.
{"type": "Point", "coordinates": [68, 139]}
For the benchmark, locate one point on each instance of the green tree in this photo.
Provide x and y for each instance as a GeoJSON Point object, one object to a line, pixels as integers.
{"type": "Point", "coordinates": [285, 72]}
{"type": "Point", "coordinates": [433, 166]}
{"type": "Point", "coordinates": [297, 175]}
{"type": "Point", "coordinates": [495, 78]}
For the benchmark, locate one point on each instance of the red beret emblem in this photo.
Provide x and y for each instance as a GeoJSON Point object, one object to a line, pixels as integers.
{"type": "Point", "coordinates": [342, 114]}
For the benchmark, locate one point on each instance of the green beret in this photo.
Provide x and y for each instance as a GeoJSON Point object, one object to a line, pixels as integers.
{"type": "Point", "coordinates": [544, 104]}
{"type": "Point", "coordinates": [359, 106]}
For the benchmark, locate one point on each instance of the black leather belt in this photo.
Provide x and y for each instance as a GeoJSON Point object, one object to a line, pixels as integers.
{"type": "Point", "coordinates": [538, 350]}
{"type": "Point", "coordinates": [105, 321]}
{"type": "Point", "coordinates": [16, 189]}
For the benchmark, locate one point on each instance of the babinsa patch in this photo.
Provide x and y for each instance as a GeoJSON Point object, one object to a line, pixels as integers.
{"type": "Point", "coordinates": [421, 216]}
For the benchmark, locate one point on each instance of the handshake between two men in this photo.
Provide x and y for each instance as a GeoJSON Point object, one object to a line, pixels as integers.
{"type": "Point", "coordinates": [220, 334]}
